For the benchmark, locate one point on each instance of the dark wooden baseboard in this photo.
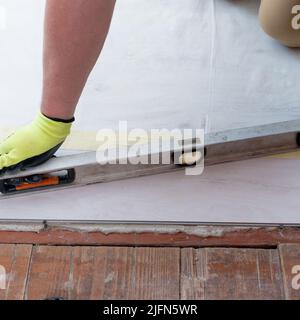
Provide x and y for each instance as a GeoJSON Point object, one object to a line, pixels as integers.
{"type": "Point", "coordinates": [214, 237]}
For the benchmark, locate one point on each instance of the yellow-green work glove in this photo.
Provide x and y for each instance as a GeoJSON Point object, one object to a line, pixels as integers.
{"type": "Point", "coordinates": [33, 144]}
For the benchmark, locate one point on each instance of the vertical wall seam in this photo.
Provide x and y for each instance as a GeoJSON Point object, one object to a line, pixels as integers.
{"type": "Point", "coordinates": [212, 69]}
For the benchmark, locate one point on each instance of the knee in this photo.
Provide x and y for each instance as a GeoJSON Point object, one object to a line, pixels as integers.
{"type": "Point", "coordinates": [281, 20]}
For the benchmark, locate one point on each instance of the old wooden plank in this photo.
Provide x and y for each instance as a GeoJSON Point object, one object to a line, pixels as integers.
{"type": "Point", "coordinates": [160, 280]}
{"type": "Point", "coordinates": [192, 274]}
{"type": "Point", "coordinates": [49, 273]}
{"type": "Point", "coordinates": [290, 264]}
{"type": "Point", "coordinates": [229, 273]}
{"type": "Point", "coordinates": [126, 273]}
{"type": "Point", "coordinates": [104, 273]}
{"type": "Point", "coordinates": [14, 264]}
{"type": "Point", "coordinates": [208, 236]}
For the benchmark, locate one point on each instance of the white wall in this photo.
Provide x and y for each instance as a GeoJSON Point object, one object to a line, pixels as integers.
{"type": "Point", "coordinates": [166, 63]}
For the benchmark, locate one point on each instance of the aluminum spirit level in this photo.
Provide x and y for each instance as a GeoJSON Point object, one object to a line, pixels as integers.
{"type": "Point", "coordinates": [219, 147]}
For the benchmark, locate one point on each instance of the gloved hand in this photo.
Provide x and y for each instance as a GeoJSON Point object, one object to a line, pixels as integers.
{"type": "Point", "coordinates": [33, 144]}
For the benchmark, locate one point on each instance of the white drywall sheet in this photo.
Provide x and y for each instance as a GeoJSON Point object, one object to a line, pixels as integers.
{"type": "Point", "coordinates": [254, 191]}
{"type": "Point", "coordinates": [170, 64]}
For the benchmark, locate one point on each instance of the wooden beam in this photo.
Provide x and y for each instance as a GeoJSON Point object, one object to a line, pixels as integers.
{"type": "Point", "coordinates": [212, 237]}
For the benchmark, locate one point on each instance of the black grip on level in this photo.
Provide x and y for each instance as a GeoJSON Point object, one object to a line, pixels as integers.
{"type": "Point", "coordinates": [298, 139]}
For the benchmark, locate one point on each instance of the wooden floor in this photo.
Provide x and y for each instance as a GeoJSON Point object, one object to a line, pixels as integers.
{"type": "Point", "coordinates": [41, 272]}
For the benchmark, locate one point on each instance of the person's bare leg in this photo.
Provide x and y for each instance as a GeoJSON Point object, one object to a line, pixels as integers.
{"type": "Point", "coordinates": [75, 32]}
{"type": "Point", "coordinates": [281, 19]}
